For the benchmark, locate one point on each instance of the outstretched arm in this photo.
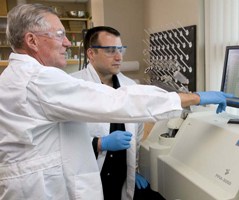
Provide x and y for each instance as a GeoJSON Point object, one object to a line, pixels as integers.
{"type": "Point", "coordinates": [204, 98]}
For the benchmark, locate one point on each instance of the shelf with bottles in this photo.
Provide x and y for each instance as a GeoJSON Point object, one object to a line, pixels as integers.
{"type": "Point", "coordinates": [76, 48]}
{"type": "Point", "coordinates": [73, 55]}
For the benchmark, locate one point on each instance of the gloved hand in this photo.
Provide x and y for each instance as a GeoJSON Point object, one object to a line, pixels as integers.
{"type": "Point", "coordinates": [117, 140]}
{"type": "Point", "coordinates": [140, 181]}
{"type": "Point", "coordinates": [214, 97]}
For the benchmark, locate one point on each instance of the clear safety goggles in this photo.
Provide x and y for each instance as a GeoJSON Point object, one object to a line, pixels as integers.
{"type": "Point", "coordinates": [58, 35]}
{"type": "Point", "coordinates": [111, 51]}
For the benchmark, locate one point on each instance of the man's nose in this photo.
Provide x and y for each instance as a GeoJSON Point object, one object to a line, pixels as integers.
{"type": "Point", "coordinates": [118, 55]}
{"type": "Point", "coordinates": [66, 42]}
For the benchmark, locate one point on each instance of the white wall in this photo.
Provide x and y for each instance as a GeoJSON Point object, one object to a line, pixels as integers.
{"type": "Point", "coordinates": [127, 17]}
{"type": "Point", "coordinates": [96, 8]}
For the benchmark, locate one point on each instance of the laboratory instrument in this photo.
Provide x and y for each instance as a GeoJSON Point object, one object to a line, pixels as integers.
{"type": "Point", "coordinates": [196, 156]}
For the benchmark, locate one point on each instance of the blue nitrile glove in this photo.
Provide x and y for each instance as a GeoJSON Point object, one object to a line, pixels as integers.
{"type": "Point", "coordinates": [214, 97]}
{"type": "Point", "coordinates": [140, 181]}
{"type": "Point", "coordinates": [117, 140]}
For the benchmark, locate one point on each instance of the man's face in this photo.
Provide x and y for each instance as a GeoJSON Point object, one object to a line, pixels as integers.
{"type": "Point", "coordinates": [103, 63]}
{"type": "Point", "coordinates": [52, 44]}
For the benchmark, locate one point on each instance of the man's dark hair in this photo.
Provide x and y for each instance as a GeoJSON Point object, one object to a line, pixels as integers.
{"type": "Point", "coordinates": [91, 37]}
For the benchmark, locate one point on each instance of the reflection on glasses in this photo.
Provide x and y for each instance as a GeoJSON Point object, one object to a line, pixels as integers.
{"type": "Point", "coordinates": [58, 35]}
{"type": "Point", "coordinates": [111, 50]}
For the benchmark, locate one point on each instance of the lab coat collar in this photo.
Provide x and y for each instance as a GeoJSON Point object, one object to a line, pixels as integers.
{"type": "Point", "coordinates": [93, 73]}
{"type": "Point", "coordinates": [22, 57]}
{"type": "Point", "coordinates": [95, 77]}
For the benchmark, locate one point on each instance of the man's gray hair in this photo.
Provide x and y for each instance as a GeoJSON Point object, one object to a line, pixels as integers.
{"type": "Point", "coordinates": [26, 18]}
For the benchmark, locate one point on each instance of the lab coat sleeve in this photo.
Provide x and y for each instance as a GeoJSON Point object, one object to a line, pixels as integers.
{"type": "Point", "coordinates": [64, 98]}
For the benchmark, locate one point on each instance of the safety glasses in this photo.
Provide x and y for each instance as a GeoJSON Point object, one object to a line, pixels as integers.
{"type": "Point", "coordinates": [58, 35]}
{"type": "Point", "coordinates": [111, 51]}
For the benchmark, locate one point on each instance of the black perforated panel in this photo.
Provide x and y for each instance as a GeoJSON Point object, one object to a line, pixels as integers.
{"type": "Point", "coordinates": [172, 58]}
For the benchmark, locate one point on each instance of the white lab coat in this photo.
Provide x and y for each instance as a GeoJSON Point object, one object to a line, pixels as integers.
{"type": "Point", "coordinates": [102, 129]}
{"type": "Point", "coordinates": [45, 149]}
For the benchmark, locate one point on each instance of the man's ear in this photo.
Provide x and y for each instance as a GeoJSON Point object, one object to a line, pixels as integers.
{"type": "Point", "coordinates": [31, 41]}
{"type": "Point", "coordinates": [90, 53]}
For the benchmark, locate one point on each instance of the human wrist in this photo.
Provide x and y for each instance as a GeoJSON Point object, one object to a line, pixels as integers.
{"type": "Point", "coordinates": [99, 145]}
{"type": "Point", "coordinates": [202, 96]}
{"type": "Point", "coordinates": [188, 99]}
{"type": "Point", "coordinates": [198, 95]}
